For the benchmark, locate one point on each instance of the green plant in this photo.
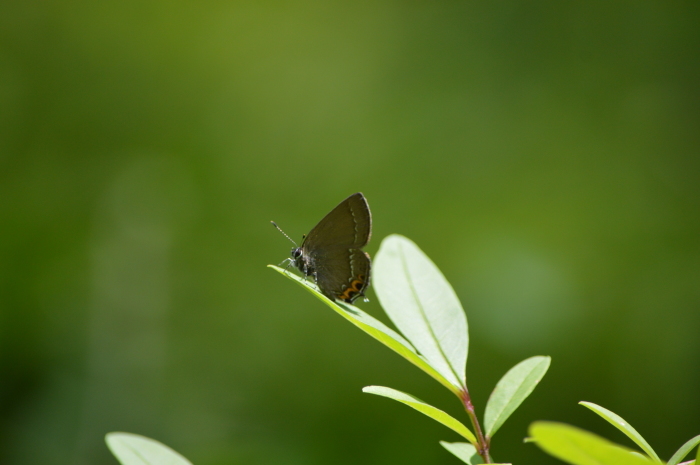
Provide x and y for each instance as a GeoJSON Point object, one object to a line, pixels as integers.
{"type": "Point", "coordinates": [580, 447]}
{"type": "Point", "coordinates": [425, 309]}
{"type": "Point", "coordinates": [423, 306]}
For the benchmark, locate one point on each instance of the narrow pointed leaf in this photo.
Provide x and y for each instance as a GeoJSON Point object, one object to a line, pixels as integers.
{"type": "Point", "coordinates": [433, 412]}
{"type": "Point", "coordinates": [374, 328]}
{"type": "Point", "coordinates": [579, 447]}
{"type": "Point", "coordinates": [466, 452]}
{"type": "Point", "coordinates": [132, 449]}
{"type": "Point", "coordinates": [423, 306]}
{"type": "Point", "coordinates": [619, 423]}
{"type": "Point", "coordinates": [512, 390]}
{"type": "Point", "coordinates": [684, 450]}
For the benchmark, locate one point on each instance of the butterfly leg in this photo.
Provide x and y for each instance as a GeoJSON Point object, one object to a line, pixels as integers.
{"type": "Point", "coordinates": [288, 261]}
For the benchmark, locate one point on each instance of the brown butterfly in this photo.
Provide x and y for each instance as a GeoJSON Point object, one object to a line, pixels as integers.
{"type": "Point", "coordinates": [332, 252]}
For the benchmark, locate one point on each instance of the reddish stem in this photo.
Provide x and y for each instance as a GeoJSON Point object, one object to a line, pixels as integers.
{"type": "Point", "coordinates": [483, 441]}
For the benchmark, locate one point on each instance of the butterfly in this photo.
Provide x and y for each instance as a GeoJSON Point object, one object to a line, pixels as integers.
{"type": "Point", "coordinates": [332, 252]}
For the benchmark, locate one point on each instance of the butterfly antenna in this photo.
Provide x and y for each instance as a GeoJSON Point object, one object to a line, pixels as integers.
{"type": "Point", "coordinates": [283, 233]}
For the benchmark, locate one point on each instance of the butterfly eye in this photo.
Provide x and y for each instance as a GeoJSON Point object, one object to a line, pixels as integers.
{"type": "Point", "coordinates": [296, 253]}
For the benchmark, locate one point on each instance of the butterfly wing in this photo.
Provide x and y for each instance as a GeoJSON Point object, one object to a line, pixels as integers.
{"type": "Point", "coordinates": [349, 225]}
{"type": "Point", "coordinates": [343, 274]}
{"type": "Point", "coordinates": [332, 250]}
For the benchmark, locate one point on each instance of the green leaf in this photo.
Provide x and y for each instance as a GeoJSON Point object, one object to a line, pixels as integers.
{"type": "Point", "coordinates": [579, 447]}
{"type": "Point", "coordinates": [373, 327]}
{"type": "Point", "coordinates": [433, 412]}
{"type": "Point", "coordinates": [619, 423]}
{"type": "Point", "coordinates": [132, 449]}
{"type": "Point", "coordinates": [465, 452]}
{"type": "Point", "coordinates": [512, 390]}
{"type": "Point", "coordinates": [684, 450]}
{"type": "Point", "coordinates": [423, 305]}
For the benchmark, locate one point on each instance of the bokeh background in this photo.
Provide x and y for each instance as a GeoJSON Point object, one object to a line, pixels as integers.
{"type": "Point", "coordinates": [546, 156]}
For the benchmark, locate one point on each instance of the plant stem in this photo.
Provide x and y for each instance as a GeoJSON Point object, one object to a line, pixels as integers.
{"type": "Point", "coordinates": [483, 448]}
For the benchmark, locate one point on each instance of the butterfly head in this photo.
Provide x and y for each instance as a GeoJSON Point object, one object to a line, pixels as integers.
{"type": "Point", "coordinates": [300, 261]}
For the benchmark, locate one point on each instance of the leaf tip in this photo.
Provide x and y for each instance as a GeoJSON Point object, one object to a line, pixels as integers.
{"type": "Point", "coordinates": [114, 435]}
{"type": "Point", "coordinates": [396, 236]}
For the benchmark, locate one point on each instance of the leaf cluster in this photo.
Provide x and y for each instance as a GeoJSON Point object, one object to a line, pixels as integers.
{"type": "Point", "coordinates": [579, 447]}
{"type": "Point", "coordinates": [433, 335]}
{"type": "Point", "coordinates": [423, 306]}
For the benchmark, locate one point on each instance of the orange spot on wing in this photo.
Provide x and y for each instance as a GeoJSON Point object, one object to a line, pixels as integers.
{"type": "Point", "coordinates": [351, 291]}
{"type": "Point", "coordinates": [347, 295]}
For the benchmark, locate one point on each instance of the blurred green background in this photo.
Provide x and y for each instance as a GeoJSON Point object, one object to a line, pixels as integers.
{"type": "Point", "coordinates": [546, 156]}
